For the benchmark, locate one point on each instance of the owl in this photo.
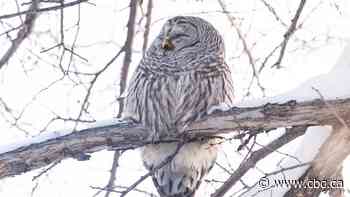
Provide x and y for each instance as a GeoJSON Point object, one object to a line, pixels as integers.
{"type": "Point", "coordinates": [182, 75]}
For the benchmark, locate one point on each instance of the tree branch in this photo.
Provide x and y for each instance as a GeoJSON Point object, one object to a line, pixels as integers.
{"type": "Point", "coordinates": [113, 174]}
{"type": "Point", "coordinates": [70, 4]}
{"type": "Point", "coordinates": [128, 53]}
{"type": "Point", "coordinates": [245, 47]}
{"type": "Point", "coordinates": [147, 26]}
{"type": "Point", "coordinates": [124, 73]}
{"type": "Point", "coordinates": [291, 30]}
{"type": "Point", "coordinates": [23, 33]}
{"type": "Point", "coordinates": [126, 135]}
{"type": "Point", "coordinates": [257, 156]}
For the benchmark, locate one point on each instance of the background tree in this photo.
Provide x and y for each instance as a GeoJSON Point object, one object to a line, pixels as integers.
{"type": "Point", "coordinates": [65, 65]}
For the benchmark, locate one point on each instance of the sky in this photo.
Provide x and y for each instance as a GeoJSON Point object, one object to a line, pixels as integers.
{"type": "Point", "coordinates": [25, 81]}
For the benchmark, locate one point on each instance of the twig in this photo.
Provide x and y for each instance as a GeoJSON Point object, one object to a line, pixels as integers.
{"type": "Point", "coordinates": [18, 10]}
{"type": "Point", "coordinates": [147, 25]}
{"type": "Point", "coordinates": [128, 53]}
{"type": "Point", "coordinates": [168, 159]}
{"type": "Point", "coordinates": [93, 81]}
{"type": "Point", "coordinates": [70, 4]}
{"type": "Point", "coordinates": [288, 168]}
{"type": "Point", "coordinates": [127, 48]}
{"type": "Point", "coordinates": [11, 30]}
{"type": "Point", "coordinates": [46, 170]}
{"type": "Point", "coordinates": [5, 106]}
{"type": "Point", "coordinates": [268, 57]}
{"type": "Point", "coordinates": [72, 48]}
{"type": "Point", "coordinates": [245, 46]}
{"type": "Point", "coordinates": [124, 187]}
{"type": "Point", "coordinates": [273, 12]}
{"type": "Point", "coordinates": [112, 177]}
{"type": "Point", "coordinates": [333, 110]}
{"type": "Point", "coordinates": [62, 20]}
{"type": "Point", "coordinates": [223, 168]}
{"type": "Point", "coordinates": [291, 30]}
{"type": "Point", "coordinates": [35, 187]}
{"type": "Point", "coordinates": [23, 33]}
{"type": "Point", "coordinates": [284, 154]}
{"type": "Point", "coordinates": [257, 156]}
{"type": "Point", "coordinates": [282, 170]}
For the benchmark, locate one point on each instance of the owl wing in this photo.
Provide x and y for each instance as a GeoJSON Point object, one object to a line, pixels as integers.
{"type": "Point", "coordinates": [165, 103]}
{"type": "Point", "coordinates": [200, 91]}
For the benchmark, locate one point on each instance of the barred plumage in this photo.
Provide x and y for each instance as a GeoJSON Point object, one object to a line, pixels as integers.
{"type": "Point", "coordinates": [174, 85]}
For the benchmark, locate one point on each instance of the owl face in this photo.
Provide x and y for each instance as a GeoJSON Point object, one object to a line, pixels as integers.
{"type": "Point", "coordinates": [178, 33]}
{"type": "Point", "coordinates": [183, 35]}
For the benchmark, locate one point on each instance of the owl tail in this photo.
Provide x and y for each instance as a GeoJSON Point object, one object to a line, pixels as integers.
{"type": "Point", "coordinates": [182, 176]}
{"type": "Point", "coordinates": [170, 184]}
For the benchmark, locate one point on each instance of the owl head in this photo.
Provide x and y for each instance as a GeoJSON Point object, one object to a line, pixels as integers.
{"type": "Point", "coordinates": [183, 35]}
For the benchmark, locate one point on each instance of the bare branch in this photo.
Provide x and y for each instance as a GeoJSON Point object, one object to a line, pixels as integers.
{"type": "Point", "coordinates": [23, 33]}
{"type": "Point", "coordinates": [128, 53]}
{"type": "Point", "coordinates": [168, 159]}
{"type": "Point", "coordinates": [124, 187]}
{"type": "Point", "coordinates": [291, 30]}
{"type": "Point", "coordinates": [93, 81]}
{"type": "Point", "coordinates": [332, 109]}
{"type": "Point", "coordinates": [70, 4]}
{"type": "Point", "coordinates": [273, 12]}
{"type": "Point", "coordinates": [46, 170]}
{"type": "Point", "coordinates": [112, 177]}
{"type": "Point", "coordinates": [147, 25]}
{"type": "Point", "coordinates": [257, 156]}
{"type": "Point", "coordinates": [281, 170]}
{"type": "Point", "coordinates": [127, 48]}
{"type": "Point", "coordinates": [245, 47]}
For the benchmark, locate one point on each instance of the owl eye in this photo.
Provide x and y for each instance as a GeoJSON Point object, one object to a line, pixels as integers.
{"type": "Point", "coordinates": [176, 40]}
{"type": "Point", "coordinates": [180, 35]}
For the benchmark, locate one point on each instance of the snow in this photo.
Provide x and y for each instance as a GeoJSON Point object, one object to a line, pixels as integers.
{"type": "Point", "coordinates": [306, 152]}
{"type": "Point", "coordinates": [220, 107]}
{"type": "Point", "coordinates": [51, 135]}
{"type": "Point", "coordinates": [32, 140]}
{"type": "Point", "coordinates": [71, 178]}
{"type": "Point", "coordinates": [346, 172]}
{"type": "Point", "coordinates": [332, 85]}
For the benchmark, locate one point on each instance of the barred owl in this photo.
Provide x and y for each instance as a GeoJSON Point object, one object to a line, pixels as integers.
{"type": "Point", "coordinates": [181, 76]}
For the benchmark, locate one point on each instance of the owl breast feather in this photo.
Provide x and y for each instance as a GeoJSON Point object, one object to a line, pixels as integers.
{"type": "Point", "coordinates": [166, 104]}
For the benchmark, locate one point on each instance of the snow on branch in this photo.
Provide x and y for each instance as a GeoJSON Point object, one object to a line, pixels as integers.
{"type": "Point", "coordinates": [126, 135]}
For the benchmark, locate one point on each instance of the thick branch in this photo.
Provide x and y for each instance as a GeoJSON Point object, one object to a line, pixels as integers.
{"type": "Point", "coordinates": [125, 135]}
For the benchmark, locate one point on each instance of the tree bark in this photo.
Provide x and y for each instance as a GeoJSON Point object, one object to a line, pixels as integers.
{"type": "Point", "coordinates": [126, 135]}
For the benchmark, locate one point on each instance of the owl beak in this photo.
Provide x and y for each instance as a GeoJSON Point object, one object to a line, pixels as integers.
{"type": "Point", "coordinates": [167, 44]}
